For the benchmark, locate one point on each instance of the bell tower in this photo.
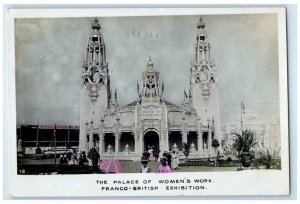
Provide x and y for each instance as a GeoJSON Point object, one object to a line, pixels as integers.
{"type": "Point", "coordinates": [204, 85]}
{"type": "Point", "coordinates": [95, 87]}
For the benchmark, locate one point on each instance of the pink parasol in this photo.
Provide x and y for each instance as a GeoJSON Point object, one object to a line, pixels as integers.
{"type": "Point", "coordinates": [110, 166]}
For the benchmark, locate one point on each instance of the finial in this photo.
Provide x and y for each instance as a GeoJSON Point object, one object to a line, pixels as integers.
{"type": "Point", "coordinates": [185, 95]}
{"type": "Point", "coordinates": [200, 24]}
{"type": "Point", "coordinates": [150, 63]}
{"type": "Point", "coordinates": [116, 96]}
{"type": "Point", "coordinates": [96, 25]}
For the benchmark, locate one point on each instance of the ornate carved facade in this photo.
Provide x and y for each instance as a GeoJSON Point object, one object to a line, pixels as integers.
{"type": "Point", "coordinates": [125, 132]}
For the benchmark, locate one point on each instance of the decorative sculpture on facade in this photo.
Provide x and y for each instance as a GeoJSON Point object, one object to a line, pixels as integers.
{"type": "Point", "coordinates": [192, 148]}
{"type": "Point", "coordinates": [127, 149]}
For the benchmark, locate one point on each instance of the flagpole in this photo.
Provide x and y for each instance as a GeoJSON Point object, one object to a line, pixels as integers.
{"type": "Point", "coordinates": [37, 133]}
{"type": "Point", "coordinates": [242, 111]}
{"type": "Point", "coordinates": [55, 144]}
{"type": "Point", "coordinates": [68, 136]}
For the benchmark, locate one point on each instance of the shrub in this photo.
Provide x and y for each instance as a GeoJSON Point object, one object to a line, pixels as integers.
{"type": "Point", "coordinates": [215, 143]}
{"type": "Point", "coordinates": [266, 159]}
{"type": "Point", "coordinates": [229, 159]}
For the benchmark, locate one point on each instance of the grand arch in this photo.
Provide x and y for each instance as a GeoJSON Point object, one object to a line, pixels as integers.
{"type": "Point", "coordinates": [151, 138]}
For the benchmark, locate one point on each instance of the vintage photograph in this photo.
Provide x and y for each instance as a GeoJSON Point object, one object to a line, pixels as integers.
{"type": "Point", "coordinates": [148, 94]}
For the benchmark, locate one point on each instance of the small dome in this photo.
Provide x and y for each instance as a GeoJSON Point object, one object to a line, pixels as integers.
{"type": "Point", "coordinates": [200, 24]}
{"type": "Point", "coordinates": [96, 25]}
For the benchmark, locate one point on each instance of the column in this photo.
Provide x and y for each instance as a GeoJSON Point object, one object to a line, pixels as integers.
{"type": "Point", "coordinates": [117, 137]}
{"type": "Point", "coordinates": [86, 138]}
{"type": "Point", "coordinates": [141, 141]}
{"type": "Point", "coordinates": [166, 135]}
{"type": "Point", "coordinates": [209, 56]}
{"type": "Point", "coordinates": [199, 142]}
{"type": "Point", "coordinates": [101, 141]}
{"type": "Point", "coordinates": [195, 50]}
{"type": "Point", "coordinates": [209, 140]}
{"type": "Point", "coordinates": [136, 142]}
{"type": "Point", "coordinates": [184, 136]}
{"type": "Point", "coordinates": [90, 140]}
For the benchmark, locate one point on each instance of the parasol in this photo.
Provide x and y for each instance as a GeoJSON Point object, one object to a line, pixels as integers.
{"type": "Point", "coordinates": [110, 166]}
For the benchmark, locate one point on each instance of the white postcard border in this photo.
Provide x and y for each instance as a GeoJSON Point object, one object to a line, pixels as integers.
{"type": "Point", "coordinates": [254, 182]}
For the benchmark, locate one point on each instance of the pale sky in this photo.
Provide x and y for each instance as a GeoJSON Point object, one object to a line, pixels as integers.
{"type": "Point", "coordinates": [50, 52]}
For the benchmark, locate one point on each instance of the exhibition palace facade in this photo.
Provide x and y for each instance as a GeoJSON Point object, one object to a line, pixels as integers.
{"type": "Point", "coordinates": [150, 121]}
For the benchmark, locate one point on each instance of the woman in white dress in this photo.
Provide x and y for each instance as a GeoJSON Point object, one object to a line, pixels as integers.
{"type": "Point", "coordinates": [175, 160]}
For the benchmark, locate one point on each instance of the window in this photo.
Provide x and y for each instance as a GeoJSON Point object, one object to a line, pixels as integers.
{"type": "Point", "coordinates": [95, 38]}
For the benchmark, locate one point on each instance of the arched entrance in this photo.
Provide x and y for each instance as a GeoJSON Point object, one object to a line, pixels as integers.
{"type": "Point", "coordinates": [151, 138]}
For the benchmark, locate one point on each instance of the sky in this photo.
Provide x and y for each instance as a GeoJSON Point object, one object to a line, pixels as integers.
{"type": "Point", "coordinates": [50, 53]}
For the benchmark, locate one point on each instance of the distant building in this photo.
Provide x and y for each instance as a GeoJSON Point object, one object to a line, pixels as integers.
{"type": "Point", "coordinates": [267, 131]}
{"type": "Point", "coordinates": [43, 136]}
{"type": "Point", "coordinates": [150, 121]}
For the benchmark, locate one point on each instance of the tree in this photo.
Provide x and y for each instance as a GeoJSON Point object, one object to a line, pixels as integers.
{"type": "Point", "coordinates": [94, 156]}
{"type": "Point", "coordinates": [243, 144]}
{"type": "Point", "coordinates": [215, 143]}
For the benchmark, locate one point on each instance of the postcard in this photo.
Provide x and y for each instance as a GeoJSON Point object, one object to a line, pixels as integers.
{"type": "Point", "coordinates": [156, 102]}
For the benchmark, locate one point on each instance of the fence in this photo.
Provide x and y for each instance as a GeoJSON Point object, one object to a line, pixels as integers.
{"type": "Point", "coordinates": [220, 163]}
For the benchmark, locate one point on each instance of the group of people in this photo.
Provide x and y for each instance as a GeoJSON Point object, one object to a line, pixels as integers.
{"type": "Point", "coordinates": [151, 154]}
{"type": "Point", "coordinates": [73, 158]}
{"type": "Point", "coordinates": [168, 161]}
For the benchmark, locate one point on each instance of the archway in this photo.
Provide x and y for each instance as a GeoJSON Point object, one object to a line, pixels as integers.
{"type": "Point", "coordinates": [127, 138]}
{"type": "Point", "coordinates": [175, 137]}
{"type": "Point", "coordinates": [192, 138]}
{"type": "Point", "coordinates": [151, 138]}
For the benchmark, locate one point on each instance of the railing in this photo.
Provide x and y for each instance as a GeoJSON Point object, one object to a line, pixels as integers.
{"type": "Point", "coordinates": [220, 163]}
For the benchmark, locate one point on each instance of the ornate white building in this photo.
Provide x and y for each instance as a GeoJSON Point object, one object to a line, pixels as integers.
{"type": "Point", "coordinates": [126, 132]}
{"type": "Point", "coordinates": [267, 131]}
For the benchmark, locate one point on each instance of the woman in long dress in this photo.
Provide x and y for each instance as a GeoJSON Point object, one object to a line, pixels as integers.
{"type": "Point", "coordinates": [163, 167]}
{"type": "Point", "coordinates": [175, 161]}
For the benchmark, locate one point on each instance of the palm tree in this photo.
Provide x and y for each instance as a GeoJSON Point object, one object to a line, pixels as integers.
{"type": "Point", "coordinates": [243, 144]}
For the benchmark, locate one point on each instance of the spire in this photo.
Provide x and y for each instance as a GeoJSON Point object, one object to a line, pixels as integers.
{"type": "Point", "coordinates": [202, 71]}
{"type": "Point", "coordinates": [202, 46]}
{"type": "Point", "coordinates": [150, 64]}
{"type": "Point", "coordinates": [95, 49]}
{"type": "Point", "coordinates": [200, 24]}
{"type": "Point", "coordinates": [96, 25]}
